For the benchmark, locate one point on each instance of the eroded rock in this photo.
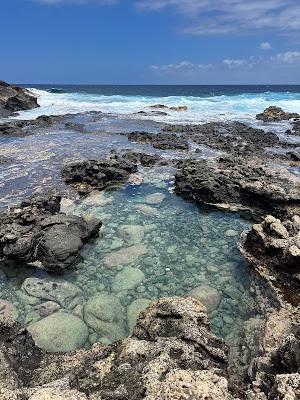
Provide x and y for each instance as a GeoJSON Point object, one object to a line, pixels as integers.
{"type": "Point", "coordinates": [13, 98]}
{"type": "Point", "coordinates": [275, 114]}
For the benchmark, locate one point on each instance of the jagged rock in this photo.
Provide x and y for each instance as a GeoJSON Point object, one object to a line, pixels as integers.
{"type": "Point", "coordinates": [90, 175]}
{"type": "Point", "coordinates": [162, 141]}
{"type": "Point", "coordinates": [13, 98]}
{"type": "Point", "coordinates": [105, 314]}
{"type": "Point", "coordinates": [65, 294]}
{"type": "Point", "coordinates": [59, 332]}
{"type": "Point", "coordinates": [273, 248]}
{"type": "Point", "coordinates": [275, 114]}
{"type": "Point", "coordinates": [37, 232]}
{"type": "Point", "coordinates": [246, 186]}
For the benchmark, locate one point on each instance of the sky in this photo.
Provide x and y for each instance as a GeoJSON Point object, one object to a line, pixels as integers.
{"type": "Point", "coordinates": [150, 41]}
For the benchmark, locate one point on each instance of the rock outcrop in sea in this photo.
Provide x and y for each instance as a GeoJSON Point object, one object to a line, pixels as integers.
{"type": "Point", "coordinates": [14, 98]}
{"type": "Point", "coordinates": [36, 232]}
{"type": "Point", "coordinates": [275, 114]}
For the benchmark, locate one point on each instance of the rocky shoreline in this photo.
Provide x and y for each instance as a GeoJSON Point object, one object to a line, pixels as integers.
{"type": "Point", "coordinates": [171, 353]}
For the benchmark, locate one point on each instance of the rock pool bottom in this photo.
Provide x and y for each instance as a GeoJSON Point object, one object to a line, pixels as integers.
{"type": "Point", "coordinates": [152, 244]}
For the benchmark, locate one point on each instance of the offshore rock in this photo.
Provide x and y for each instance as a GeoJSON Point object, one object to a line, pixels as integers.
{"type": "Point", "coordinates": [37, 232]}
{"type": "Point", "coordinates": [13, 98]}
{"type": "Point", "coordinates": [243, 185]}
{"type": "Point", "coordinates": [89, 175]}
{"type": "Point", "coordinates": [273, 248]}
{"type": "Point", "coordinates": [275, 114]}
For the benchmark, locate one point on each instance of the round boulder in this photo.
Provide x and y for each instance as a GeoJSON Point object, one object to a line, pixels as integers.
{"type": "Point", "coordinates": [208, 296]}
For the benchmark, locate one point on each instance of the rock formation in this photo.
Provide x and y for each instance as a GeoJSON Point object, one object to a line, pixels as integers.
{"type": "Point", "coordinates": [275, 114]}
{"type": "Point", "coordinates": [37, 232]}
{"type": "Point", "coordinates": [13, 98]}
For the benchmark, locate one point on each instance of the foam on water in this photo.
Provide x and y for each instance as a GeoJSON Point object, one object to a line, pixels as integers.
{"type": "Point", "coordinates": [242, 107]}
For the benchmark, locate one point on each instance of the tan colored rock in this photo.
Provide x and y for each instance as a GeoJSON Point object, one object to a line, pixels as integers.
{"type": "Point", "coordinates": [124, 256]}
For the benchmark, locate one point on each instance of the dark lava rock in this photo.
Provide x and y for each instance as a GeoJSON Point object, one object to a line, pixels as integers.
{"type": "Point", "coordinates": [273, 248]}
{"type": "Point", "coordinates": [89, 175]}
{"type": "Point", "coordinates": [146, 160]}
{"type": "Point", "coordinates": [37, 232]}
{"type": "Point", "coordinates": [233, 138]}
{"type": "Point", "coordinates": [13, 98]}
{"type": "Point", "coordinates": [246, 186]}
{"type": "Point", "coordinates": [275, 114]}
{"type": "Point", "coordinates": [161, 141]}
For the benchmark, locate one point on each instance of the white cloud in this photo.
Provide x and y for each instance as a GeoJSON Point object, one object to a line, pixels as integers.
{"type": "Point", "coordinates": [235, 63]}
{"type": "Point", "coordinates": [290, 57]}
{"type": "Point", "coordinates": [181, 66]}
{"type": "Point", "coordinates": [265, 46]}
{"type": "Point", "coordinates": [215, 17]}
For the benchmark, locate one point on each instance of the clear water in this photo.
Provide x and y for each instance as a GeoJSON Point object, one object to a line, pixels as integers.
{"type": "Point", "coordinates": [180, 246]}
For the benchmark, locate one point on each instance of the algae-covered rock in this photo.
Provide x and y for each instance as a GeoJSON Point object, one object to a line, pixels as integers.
{"type": "Point", "coordinates": [127, 279]}
{"type": "Point", "coordinates": [134, 310]}
{"type": "Point", "coordinates": [59, 332]}
{"type": "Point", "coordinates": [208, 296]}
{"type": "Point", "coordinates": [105, 314]}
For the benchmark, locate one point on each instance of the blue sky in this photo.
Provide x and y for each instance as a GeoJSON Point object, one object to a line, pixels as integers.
{"type": "Point", "coordinates": [150, 41]}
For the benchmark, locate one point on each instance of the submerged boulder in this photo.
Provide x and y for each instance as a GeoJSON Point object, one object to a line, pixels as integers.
{"type": "Point", "coordinates": [208, 296]}
{"type": "Point", "coordinates": [14, 98]}
{"type": "Point", "coordinates": [37, 232]}
{"type": "Point", "coordinates": [275, 114]}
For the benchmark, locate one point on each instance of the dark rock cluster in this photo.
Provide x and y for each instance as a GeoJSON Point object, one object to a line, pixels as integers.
{"type": "Point", "coordinates": [13, 98]}
{"type": "Point", "coordinates": [275, 114]}
{"type": "Point", "coordinates": [37, 232]}
{"type": "Point", "coordinates": [161, 141]}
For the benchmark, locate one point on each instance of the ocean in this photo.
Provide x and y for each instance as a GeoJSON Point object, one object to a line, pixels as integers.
{"type": "Point", "coordinates": [204, 103]}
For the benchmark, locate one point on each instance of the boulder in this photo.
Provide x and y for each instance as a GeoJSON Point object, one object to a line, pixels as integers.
{"type": "Point", "coordinates": [133, 311]}
{"type": "Point", "coordinates": [89, 175]}
{"type": "Point", "coordinates": [125, 256]}
{"type": "Point", "coordinates": [13, 98]}
{"type": "Point", "coordinates": [273, 249]}
{"type": "Point", "coordinates": [132, 234]}
{"type": "Point", "coordinates": [37, 232]}
{"type": "Point", "coordinates": [275, 114]}
{"type": "Point", "coordinates": [128, 278]}
{"type": "Point", "coordinates": [248, 186]}
{"type": "Point", "coordinates": [105, 314]}
{"type": "Point", "coordinates": [208, 296]}
{"type": "Point", "coordinates": [59, 332]}
{"type": "Point", "coordinates": [155, 198]}
{"type": "Point", "coordinates": [8, 310]}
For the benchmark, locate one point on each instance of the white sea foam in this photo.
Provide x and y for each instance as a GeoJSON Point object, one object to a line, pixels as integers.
{"type": "Point", "coordinates": [241, 107]}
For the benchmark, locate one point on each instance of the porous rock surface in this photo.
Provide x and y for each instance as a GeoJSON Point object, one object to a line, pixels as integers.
{"type": "Point", "coordinates": [244, 185]}
{"type": "Point", "coordinates": [37, 232]}
{"type": "Point", "coordinates": [275, 114]}
{"type": "Point", "coordinates": [13, 98]}
{"type": "Point", "coordinates": [273, 248]}
{"type": "Point", "coordinates": [89, 175]}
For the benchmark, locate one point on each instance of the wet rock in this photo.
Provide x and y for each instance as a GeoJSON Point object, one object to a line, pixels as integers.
{"type": "Point", "coordinates": [275, 114]}
{"type": "Point", "coordinates": [162, 141]}
{"type": "Point", "coordinates": [59, 332]}
{"type": "Point", "coordinates": [105, 314]}
{"type": "Point", "coordinates": [179, 108]}
{"type": "Point", "coordinates": [46, 309]}
{"type": "Point", "coordinates": [13, 98]}
{"type": "Point", "coordinates": [127, 279]}
{"type": "Point", "coordinates": [244, 185]}
{"type": "Point", "coordinates": [132, 234]}
{"type": "Point", "coordinates": [37, 232]}
{"type": "Point", "coordinates": [134, 310]}
{"type": "Point", "coordinates": [208, 296]}
{"type": "Point", "coordinates": [125, 256]}
{"type": "Point", "coordinates": [89, 175]}
{"type": "Point", "coordinates": [146, 210]}
{"type": "Point", "coordinates": [65, 294]}
{"type": "Point", "coordinates": [273, 248]}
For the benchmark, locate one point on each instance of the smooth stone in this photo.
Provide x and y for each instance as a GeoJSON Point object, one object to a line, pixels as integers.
{"type": "Point", "coordinates": [8, 310]}
{"type": "Point", "coordinates": [60, 332]}
{"type": "Point", "coordinates": [105, 314]}
{"type": "Point", "coordinates": [64, 293]}
{"type": "Point", "coordinates": [132, 234]}
{"type": "Point", "coordinates": [231, 233]}
{"type": "Point", "coordinates": [146, 210]}
{"type": "Point", "coordinates": [208, 296]}
{"type": "Point", "coordinates": [155, 198]}
{"type": "Point", "coordinates": [127, 279]}
{"type": "Point", "coordinates": [46, 309]}
{"type": "Point", "coordinates": [97, 199]}
{"type": "Point", "coordinates": [116, 244]}
{"type": "Point", "coordinates": [134, 310]}
{"type": "Point", "coordinates": [124, 256]}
